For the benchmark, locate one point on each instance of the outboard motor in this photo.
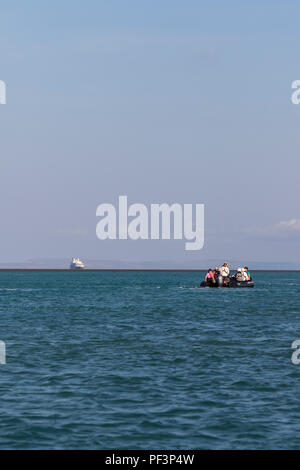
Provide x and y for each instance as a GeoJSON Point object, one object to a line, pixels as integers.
{"type": "Point", "coordinates": [220, 281]}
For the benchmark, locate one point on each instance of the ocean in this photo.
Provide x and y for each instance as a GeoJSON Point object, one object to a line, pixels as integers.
{"type": "Point", "coordinates": [148, 361]}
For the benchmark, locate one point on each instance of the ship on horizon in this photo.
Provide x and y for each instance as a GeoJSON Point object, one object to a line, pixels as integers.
{"type": "Point", "coordinates": [76, 264]}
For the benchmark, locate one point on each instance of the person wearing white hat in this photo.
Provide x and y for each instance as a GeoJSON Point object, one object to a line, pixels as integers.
{"type": "Point", "coordinates": [239, 275]}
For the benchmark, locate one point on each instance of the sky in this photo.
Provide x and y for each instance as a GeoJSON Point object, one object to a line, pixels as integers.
{"type": "Point", "coordinates": [165, 102]}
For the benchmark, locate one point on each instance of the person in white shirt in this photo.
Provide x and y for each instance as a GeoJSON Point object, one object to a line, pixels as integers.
{"type": "Point", "coordinates": [245, 275]}
{"type": "Point", "coordinates": [224, 270]}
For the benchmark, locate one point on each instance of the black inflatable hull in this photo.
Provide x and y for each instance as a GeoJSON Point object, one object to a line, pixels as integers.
{"type": "Point", "coordinates": [233, 284]}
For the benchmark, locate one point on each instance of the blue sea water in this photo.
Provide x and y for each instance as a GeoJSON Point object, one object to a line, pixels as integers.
{"type": "Point", "coordinates": [148, 361]}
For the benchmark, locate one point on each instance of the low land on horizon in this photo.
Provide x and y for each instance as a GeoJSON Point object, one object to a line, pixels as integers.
{"type": "Point", "coordinates": [124, 270]}
{"type": "Point", "coordinates": [196, 264]}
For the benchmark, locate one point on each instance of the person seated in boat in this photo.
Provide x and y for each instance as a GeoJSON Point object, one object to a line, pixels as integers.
{"type": "Point", "coordinates": [216, 272]}
{"type": "Point", "coordinates": [245, 275]}
{"type": "Point", "coordinates": [239, 275]}
{"type": "Point", "coordinates": [210, 277]}
{"type": "Point", "coordinates": [246, 270]}
{"type": "Point", "coordinates": [224, 270]}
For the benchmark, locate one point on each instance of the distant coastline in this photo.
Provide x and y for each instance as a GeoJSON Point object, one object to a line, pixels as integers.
{"type": "Point", "coordinates": [189, 264]}
{"type": "Point", "coordinates": [110, 270]}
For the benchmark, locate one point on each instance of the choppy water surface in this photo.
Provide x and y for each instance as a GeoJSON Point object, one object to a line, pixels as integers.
{"type": "Point", "coordinates": [148, 360]}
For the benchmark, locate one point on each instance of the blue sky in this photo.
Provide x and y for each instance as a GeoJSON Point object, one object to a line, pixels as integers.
{"type": "Point", "coordinates": [169, 101]}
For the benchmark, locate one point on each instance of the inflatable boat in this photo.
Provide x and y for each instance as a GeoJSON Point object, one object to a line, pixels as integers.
{"type": "Point", "coordinates": [228, 282]}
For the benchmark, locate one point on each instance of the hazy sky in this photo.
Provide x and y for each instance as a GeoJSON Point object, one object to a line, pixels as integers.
{"type": "Point", "coordinates": [162, 101]}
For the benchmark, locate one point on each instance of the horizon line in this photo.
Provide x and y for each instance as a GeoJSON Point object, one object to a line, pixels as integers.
{"type": "Point", "coordinates": [55, 270]}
